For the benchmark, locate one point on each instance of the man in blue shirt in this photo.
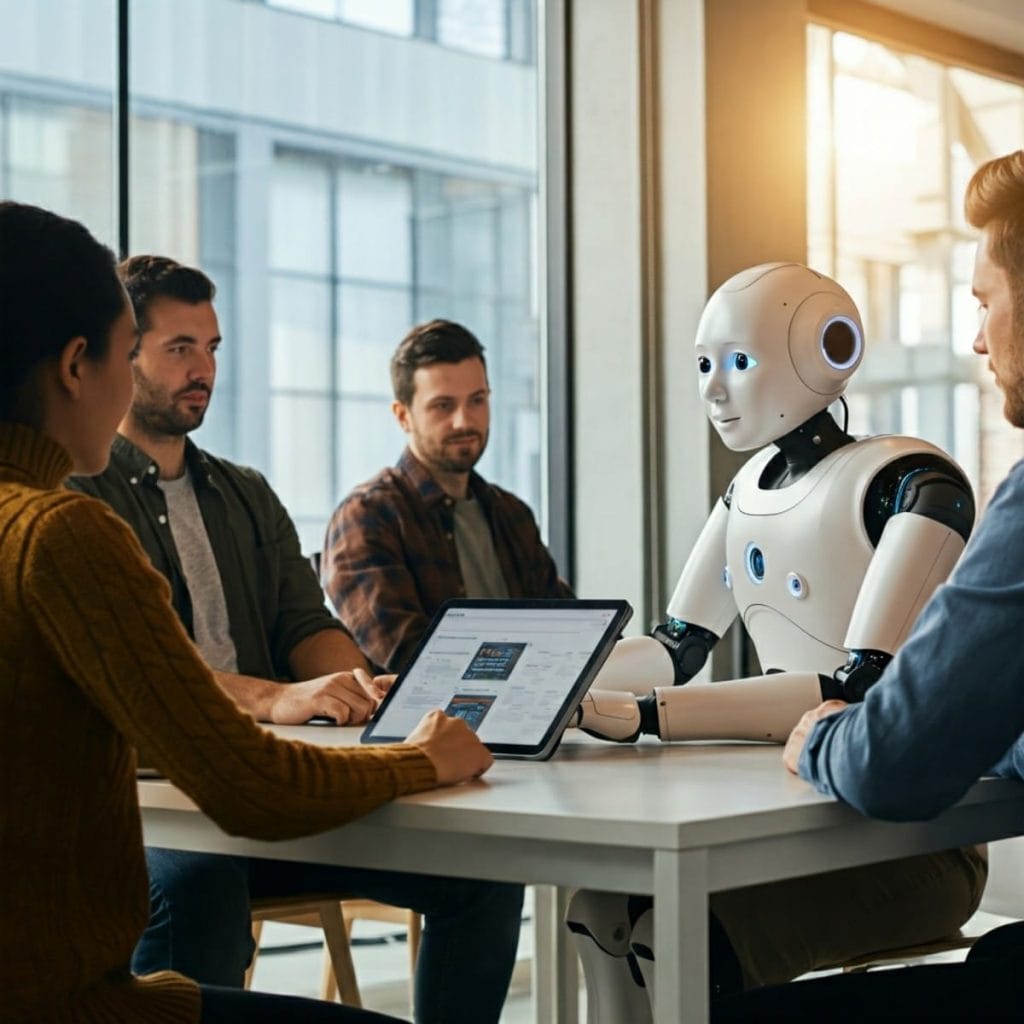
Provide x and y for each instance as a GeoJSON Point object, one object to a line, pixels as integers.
{"type": "Point", "coordinates": [950, 706]}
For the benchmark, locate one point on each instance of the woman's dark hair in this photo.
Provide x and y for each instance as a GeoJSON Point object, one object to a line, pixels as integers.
{"type": "Point", "coordinates": [56, 283]}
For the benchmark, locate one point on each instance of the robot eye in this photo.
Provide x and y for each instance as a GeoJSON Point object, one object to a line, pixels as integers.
{"type": "Point", "coordinates": [704, 364]}
{"type": "Point", "coordinates": [741, 361]}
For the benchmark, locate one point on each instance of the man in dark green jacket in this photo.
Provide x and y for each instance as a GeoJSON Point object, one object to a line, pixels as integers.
{"type": "Point", "coordinates": [252, 604]}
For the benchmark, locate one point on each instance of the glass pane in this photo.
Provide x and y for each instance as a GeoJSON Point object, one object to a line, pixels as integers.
{"type": "Point", "coordinates": [517, 253]}
{"type": "Point", "coordinates": [904, 251]}
{"type": "Point", "coordinates": [474, 231]}
{"type": "Point", "coordinates": [476, 25]}
{"type": "Point", "coordinates": [165, 189]}
{"type": "Point", "coordinates": [368, 440]}
{"type": "Point", "coordinates": [300, 214]}
{"type": "Point", "coordinates": [371, 323]}
{"type": "Point", "coordinates": [967, 447]}
{"type": "Point", "coordinates": [318, 8]}
{"type": "Point", "coordinates": [374, 203]}
{"type": "Point", "coordinates": [58, 156]}
{"type": "Point", "coordinates": [433, 234]}
{"type": "Point", "coordinates": [300, 334]}
{"type": "Point", "coordinates": [387, 15]}
{"type": "Point", "coordinates": [300, 457]}
{"type": "Point", "coordinates": [57, 74]}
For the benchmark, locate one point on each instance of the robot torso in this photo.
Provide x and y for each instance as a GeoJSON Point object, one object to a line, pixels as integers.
{"type": "Point", "coordinates": [796, 557]}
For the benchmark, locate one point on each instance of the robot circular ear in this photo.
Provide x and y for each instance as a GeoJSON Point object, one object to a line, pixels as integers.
{"type": "Point", "coordinates": [841, 342]}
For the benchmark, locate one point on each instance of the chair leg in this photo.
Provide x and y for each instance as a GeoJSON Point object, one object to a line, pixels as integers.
{"type": "Point", "coordinates": [257, 931]}
{"type": "Point", "coordinates": [328, 982]}
{"type": "Point", "coordinates": [413, 938]}
{"type": "Point", "coordinates": [340, 953]}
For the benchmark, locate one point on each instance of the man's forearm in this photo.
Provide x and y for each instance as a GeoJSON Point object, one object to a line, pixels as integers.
{"type": "Point", "coordinates": [324, 653]}
{"type": "Point", "coordinates": [252, 695]}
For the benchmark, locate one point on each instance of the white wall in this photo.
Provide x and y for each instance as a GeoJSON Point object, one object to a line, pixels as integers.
{"type": "Point", "coordinates": [619, 338]}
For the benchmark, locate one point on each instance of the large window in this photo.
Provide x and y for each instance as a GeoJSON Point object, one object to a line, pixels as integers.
{"type": "Point", "coordinates": [492, 28]}
{"type": "Point", "coordinates": [342, 170]}
{"type": "Point", "coordinates": [56, 149]}
{"type": "Point", "coordinates": [358, 251]}
{"type": "Point", "coordinates": [893, 140]}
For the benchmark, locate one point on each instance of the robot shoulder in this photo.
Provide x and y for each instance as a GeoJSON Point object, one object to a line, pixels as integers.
{"type": "Point", "coordinates": [748, 475]}
{"type": "Point", "coordinates": [918, 477]}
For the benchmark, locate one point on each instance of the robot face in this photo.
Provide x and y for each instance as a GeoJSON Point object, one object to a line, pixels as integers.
{"type": "Point", "coordinates": [775, 345]}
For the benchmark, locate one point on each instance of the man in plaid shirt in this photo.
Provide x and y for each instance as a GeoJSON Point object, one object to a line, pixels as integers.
{"type": "Point", "coordinates": [430, 528]}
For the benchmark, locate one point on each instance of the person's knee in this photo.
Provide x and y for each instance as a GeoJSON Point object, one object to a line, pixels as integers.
{"type": "Point", "coordinates": [200, 920]}
{"type": "Point", "coordinates": [509, 897]}
{"type": "Point", "coordinates": [464, 896]}
{"type": "Point", "coordinates": [204, 881]}
{"type": "Point", "coordinates": [500, 901]}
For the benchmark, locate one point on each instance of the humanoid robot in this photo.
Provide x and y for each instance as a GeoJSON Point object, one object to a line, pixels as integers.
{"type": "Point", "coordinates": [827, 547]}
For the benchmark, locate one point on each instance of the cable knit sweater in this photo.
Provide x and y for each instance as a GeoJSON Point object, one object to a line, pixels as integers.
{"type": "Point", "coordinates": [93, 664]}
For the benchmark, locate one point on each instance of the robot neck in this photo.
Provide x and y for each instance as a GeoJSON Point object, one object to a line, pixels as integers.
{"type": "Point", "coordinates": [802, 449]}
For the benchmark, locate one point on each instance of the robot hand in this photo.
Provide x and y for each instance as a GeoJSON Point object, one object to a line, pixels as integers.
{"type": "Point", "coordinates": [615, 716]}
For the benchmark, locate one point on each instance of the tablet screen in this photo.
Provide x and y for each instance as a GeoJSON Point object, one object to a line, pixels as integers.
{"type": "Point", "coordinates": [507, 670]}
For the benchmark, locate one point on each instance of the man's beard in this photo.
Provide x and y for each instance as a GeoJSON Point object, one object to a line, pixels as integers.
{"type": "Point", "coordinates": [155, 413]}
{"type": "Point", "coordinates": [449, 461]}
{"type": "Point", "coordinates": [1013, 405]}
{"type": "Point", "coordinates": [1012, 384]}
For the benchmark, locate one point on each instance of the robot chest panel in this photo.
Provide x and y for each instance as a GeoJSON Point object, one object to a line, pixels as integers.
{"type": "Point", "coordinates": [796, 571]}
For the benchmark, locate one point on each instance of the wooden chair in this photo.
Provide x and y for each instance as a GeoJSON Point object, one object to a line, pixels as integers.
{"type": "Point", "coordinates": [335, 915]}
{"type": "Point", "coordinates": [371, 910]}
{"type": "Point", "coordinates": [317, 911]}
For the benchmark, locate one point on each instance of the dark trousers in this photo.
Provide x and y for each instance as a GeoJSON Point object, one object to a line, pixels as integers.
{"type": "Point", "coordinates": [200, 925]}
{"type": "Point", "coordinates": [988, 986]}
{"type": "Point", "coordinates": [233, 1006]}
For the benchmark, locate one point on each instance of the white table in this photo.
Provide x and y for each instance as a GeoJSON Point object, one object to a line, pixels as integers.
{"type": "Point", "coordinates": [676, 820]}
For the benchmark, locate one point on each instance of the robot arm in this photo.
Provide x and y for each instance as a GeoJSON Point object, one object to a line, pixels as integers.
{"type": "Point", "coordinates": [918, 548]}
{"type": "Point", "coordinates": [758, 708]}
{"type": "Point", "coordinates": [699, 613]}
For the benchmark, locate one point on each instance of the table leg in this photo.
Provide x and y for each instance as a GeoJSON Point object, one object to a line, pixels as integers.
{"type": "Point", "coordinates": [681, 937]}
{"type": "Point", "coordinates": [555, 970]}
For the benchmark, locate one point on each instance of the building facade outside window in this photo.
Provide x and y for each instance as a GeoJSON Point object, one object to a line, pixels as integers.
{"type": "Point", "coordinates": [893, 139]}
{"type": "Point", "coordinates": [380, 168]}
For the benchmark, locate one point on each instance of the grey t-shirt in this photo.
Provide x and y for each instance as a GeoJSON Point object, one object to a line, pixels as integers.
{"type": "Point", "coordinates": [481, 570]}
{"type": "Point", "coordinates": [210, 624]}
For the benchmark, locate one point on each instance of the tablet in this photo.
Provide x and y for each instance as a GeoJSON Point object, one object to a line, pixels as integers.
{"type": "Point", "coordinates": [514, 670]}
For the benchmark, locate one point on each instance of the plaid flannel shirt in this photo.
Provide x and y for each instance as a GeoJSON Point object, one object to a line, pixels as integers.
{"type": "Point", "coordinates": [390, 561]}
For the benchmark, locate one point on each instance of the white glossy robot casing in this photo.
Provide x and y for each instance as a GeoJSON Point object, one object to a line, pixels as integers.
{"type": "Point", "coordinates": [790, 553]}
{"type": "Point", "coordinates": [795, 561]}
{"type": "Point", "coordinates": [800, 331]}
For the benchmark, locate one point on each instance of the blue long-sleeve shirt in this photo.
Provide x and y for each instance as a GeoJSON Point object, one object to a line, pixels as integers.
{"type": "Point", "coordinates": [950, 706]}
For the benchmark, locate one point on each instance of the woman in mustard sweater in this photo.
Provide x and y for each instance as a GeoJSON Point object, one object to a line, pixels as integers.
{"type": "Point", "coordinates": [94, 664]}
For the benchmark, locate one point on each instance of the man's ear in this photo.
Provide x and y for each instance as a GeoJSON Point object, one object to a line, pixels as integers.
{"type": "Point", "coordinates": [401, 412]}
{"type": "Point", "coordinates": [69, 365]}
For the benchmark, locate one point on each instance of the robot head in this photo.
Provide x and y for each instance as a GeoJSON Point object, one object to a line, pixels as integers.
{"type": "Point", "coordinates": [775, 345]}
